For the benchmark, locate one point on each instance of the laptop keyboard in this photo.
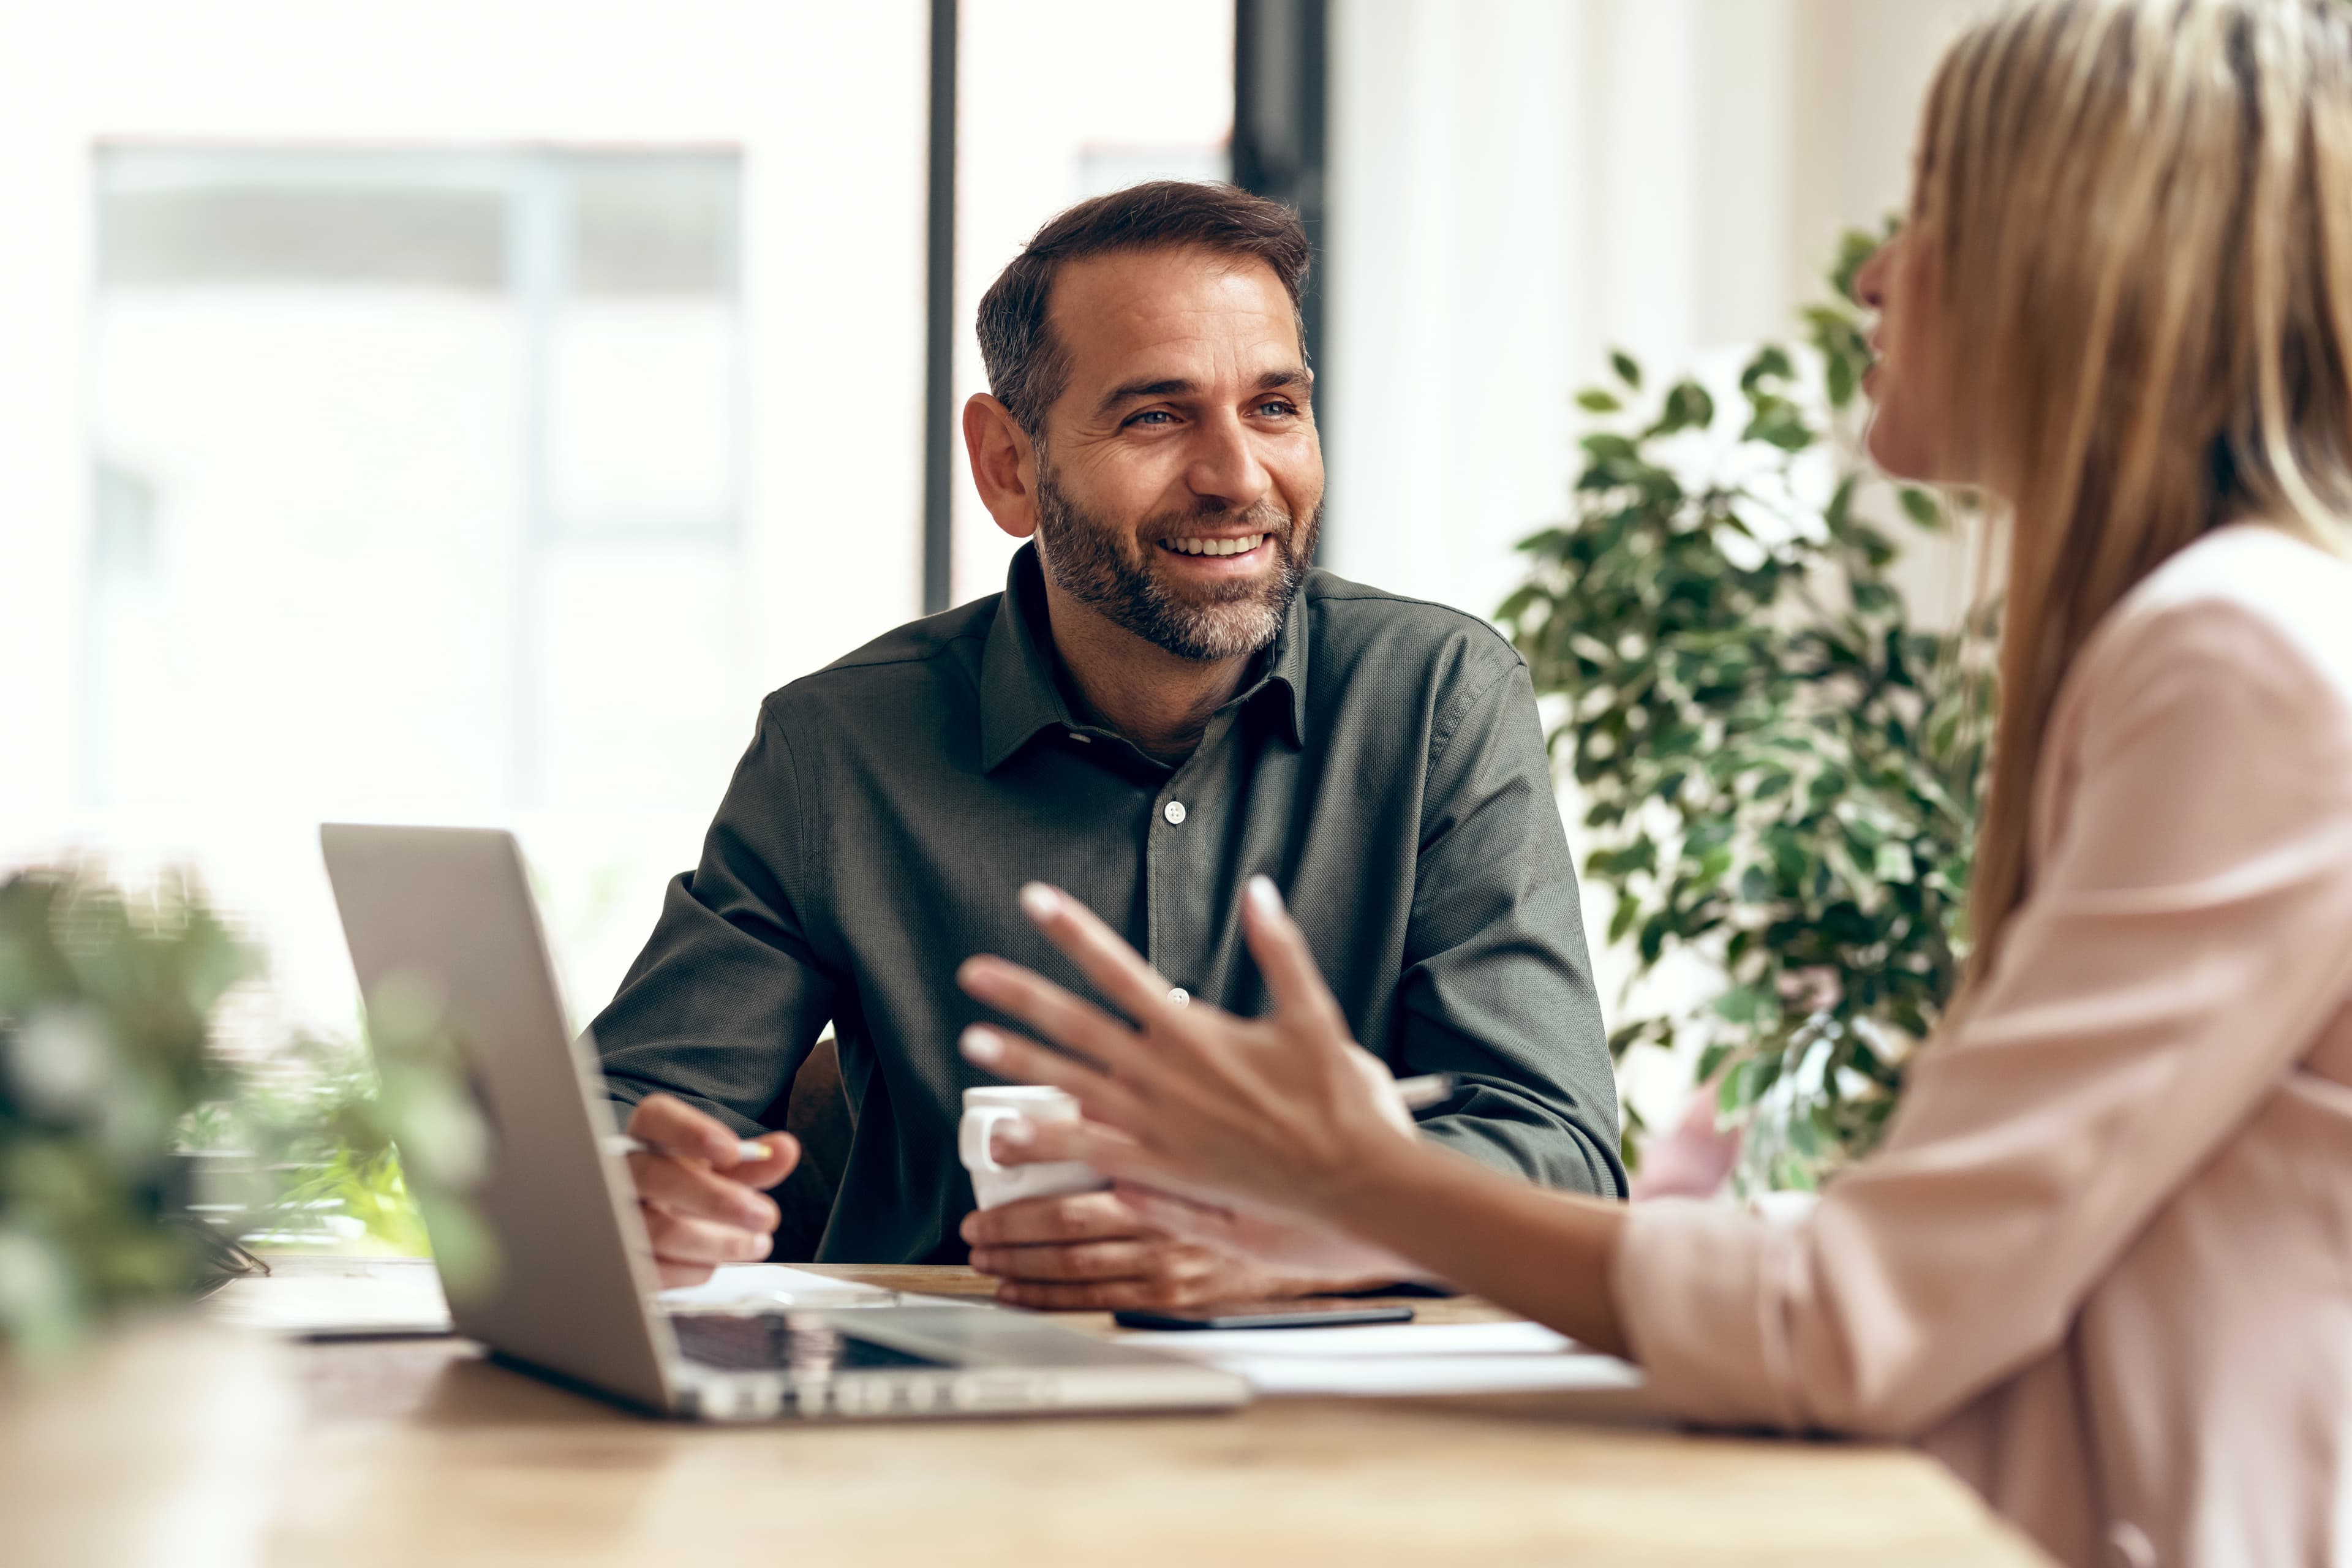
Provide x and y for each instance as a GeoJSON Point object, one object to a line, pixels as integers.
{"type": "Point", "coordinates": [778, 1342]}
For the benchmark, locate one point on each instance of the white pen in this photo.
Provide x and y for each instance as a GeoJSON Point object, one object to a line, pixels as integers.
{"type": "Point", "coordinates": [622, 1143]}
{"type": "Point", "coordinates": [1428, 1090]}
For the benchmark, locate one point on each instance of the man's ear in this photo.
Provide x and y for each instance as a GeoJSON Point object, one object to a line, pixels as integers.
{"type": "Point", "coordinates": [1004, 464]}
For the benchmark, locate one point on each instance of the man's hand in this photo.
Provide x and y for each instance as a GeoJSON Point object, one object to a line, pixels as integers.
{"type": "Point", "coordinates": [1091, 1252]}
{"type": "Point", "coordinates": [703, 1203]}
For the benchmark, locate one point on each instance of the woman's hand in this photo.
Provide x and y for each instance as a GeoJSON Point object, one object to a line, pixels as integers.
{"type": "Point", "coordinates": [1253, 1124]}
{"type": "Point", "coordinates": [1268, 1115]}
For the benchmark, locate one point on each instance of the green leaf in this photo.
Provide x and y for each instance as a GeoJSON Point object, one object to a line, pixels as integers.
{"type": "Point", "coordinates": [1689, 407]}
{"type": "Point", "coordinates": [1921, 506]}
{"type": "Point", "coordinates": [1777, 423]}
{"type": "Point", "coordinates": [1740, 1005]}
{"type": "Point", "coordinates": [1771, 363]}
{"type": "Point", "coordinates": [1597, 401]}
{"type": "Point", "coordinates": [1841, 379]}
{"type": "Point", "coordinates": [1872, 598]}
{"type": "Point", "coordinates": [1628, 911]}
{"type": "Point", "coordinates": [1627, 371]}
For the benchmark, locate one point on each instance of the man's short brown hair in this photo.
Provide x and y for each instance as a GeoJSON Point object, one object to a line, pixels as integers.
{"type": "Point", "coordinates": [1026, 368]}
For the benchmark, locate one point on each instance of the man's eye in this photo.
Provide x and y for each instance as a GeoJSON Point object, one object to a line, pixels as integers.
{"type": "Point", "coordinates": [1150, 416]}
{"type": "Point", "coordinates": [1278, 406]}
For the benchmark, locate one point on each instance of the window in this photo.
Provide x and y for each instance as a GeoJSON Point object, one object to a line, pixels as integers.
{"type": "Point", "coordinates": [417, 479]}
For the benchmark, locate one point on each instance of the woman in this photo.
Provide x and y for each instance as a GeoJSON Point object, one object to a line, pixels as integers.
{"type": "Point", "coordinates": [2103, 1263]}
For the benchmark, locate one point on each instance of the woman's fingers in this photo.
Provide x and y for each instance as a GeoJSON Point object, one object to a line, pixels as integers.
{"type": "Point", "coordinates": [1074, 1025]}
{"type": "Point", "coordinates": [1299, 991]}
{"type": "Point", "coordinates": [1017, 1060]}
{"type": "Point", "coordinates": [1118, 971]}
{"type": "Point", "coordinates": [1110, 1150]}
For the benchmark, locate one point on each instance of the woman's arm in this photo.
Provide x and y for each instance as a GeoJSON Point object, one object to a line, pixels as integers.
{"type": "Point", "coordinates": [1546, 1255]}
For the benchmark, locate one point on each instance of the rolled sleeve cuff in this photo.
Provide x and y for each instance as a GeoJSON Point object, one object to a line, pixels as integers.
{"type": "Point", "coordinates": [1697, 1284]}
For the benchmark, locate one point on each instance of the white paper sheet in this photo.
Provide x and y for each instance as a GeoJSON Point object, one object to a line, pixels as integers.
{"type": "Point", "coordinates": [1389, 1360]}
{"type": "Point", "coordinates": [767, 1285]}
{"type": "Point", "coordinates": [331, 1298]}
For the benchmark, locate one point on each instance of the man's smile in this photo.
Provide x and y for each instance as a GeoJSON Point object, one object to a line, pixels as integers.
{"type": "Point", "coordinates": [1220, 554]}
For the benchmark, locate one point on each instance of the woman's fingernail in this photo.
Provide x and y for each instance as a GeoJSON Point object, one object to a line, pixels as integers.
{"type": "Point", "coordinates": [1040, 900]}
{"type": "Point", "coordinates": [981, 1046]}
{"type": "Point", "coordinates": [1263, 893]}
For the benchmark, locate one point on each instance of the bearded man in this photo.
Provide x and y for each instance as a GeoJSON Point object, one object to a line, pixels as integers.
{"type": "Point", "coordinates": [1165, 700]}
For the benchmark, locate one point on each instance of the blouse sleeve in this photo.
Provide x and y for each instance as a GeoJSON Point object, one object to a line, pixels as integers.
{"type": "Point", "coordinates": [2186, 939]}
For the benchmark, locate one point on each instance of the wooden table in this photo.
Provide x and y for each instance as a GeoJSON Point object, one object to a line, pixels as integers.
{"type": "Point", "coordinates": [420, 1452]}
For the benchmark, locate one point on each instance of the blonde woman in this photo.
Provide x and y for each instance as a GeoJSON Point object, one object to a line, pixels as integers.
{"type": "Point", "coordinates": [2103, 1265]}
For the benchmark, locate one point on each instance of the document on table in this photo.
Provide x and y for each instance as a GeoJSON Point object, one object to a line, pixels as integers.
{"type": "Point", "coordinates": [747, 1286]}
{"type": "Point", "coordinates": [1390, 1360]}
{"type": "Point", "coordinates": [326, 1297]}
{"type": "Point", "coordinates": [378, 1298]}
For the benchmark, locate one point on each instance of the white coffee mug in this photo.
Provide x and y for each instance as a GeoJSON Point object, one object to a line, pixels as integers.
{"type": "Point", "coordinates": [992, 1183]}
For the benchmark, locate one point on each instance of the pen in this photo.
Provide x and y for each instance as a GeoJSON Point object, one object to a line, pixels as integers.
{"type": "Point", "coordinates": [1428, 1090]}
{"type": "Point", "coordinates": [622, 1143]}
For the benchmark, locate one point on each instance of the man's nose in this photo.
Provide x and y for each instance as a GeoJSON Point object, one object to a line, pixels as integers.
{"type": "Point", "coordinates": [1226, 467]}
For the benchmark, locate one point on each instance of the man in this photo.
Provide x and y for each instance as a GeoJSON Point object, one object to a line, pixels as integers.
{"type": "Point", "coordinates": [1163, 701]}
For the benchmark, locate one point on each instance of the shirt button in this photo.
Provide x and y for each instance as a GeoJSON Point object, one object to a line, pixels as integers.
{"type": "Point", "coordinates": [1174, 812]}
{"type": "Point", "coordinates": [1178, 996]}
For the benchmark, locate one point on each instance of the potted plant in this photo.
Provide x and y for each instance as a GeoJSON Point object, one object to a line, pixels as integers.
{"type": "Point", "coordinates": [1778, 763]}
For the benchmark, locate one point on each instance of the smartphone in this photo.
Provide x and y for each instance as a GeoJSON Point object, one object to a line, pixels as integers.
{"type": "Point", "coordinates": [1266, 1315]}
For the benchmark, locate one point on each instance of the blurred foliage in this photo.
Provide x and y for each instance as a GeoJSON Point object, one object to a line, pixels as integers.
{"type": "Point", "coordinates": [104, 1006]}
{"type": "Point", "coordinates": [1779, 767]}
{"type": "Point", "coordinates": [112, 1099]}
{"type": "Point", "coordinates": [321, 1144]}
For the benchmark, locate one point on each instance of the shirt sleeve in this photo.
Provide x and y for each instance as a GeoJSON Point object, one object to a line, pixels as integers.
{"type": "Point", "coordinates": [2180, 950]}
{"type": "Point", "coordinates": [1497, 984]}
{"type": "Point", "coordinates": [728, 997]}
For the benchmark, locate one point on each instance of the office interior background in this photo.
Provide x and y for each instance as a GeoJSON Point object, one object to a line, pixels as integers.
{"type": "Point", "coordinates": [465, 411]}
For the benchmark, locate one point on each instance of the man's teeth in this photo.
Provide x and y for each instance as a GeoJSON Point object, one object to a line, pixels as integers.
{"type": "Point", "coordinates": [1241, 546]}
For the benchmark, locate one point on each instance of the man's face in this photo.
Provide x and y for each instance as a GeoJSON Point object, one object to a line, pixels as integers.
{"type": "Point", "coordinates": [1180, 479]}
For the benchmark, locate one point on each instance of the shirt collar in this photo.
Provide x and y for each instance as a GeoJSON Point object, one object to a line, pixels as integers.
{"type": "Point", "coordinates": [1018, 696]}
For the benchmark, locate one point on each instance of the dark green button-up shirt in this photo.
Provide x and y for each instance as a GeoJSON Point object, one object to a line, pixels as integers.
{"type": "Point", "coordinates": [1384, 766]}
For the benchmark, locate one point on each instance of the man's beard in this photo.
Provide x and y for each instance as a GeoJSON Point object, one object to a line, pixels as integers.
{"type": "Point", "coordinates": [1109, 570]}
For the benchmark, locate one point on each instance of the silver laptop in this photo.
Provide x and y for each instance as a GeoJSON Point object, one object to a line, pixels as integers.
{"type": "Point", "coordinates": [447, 913]}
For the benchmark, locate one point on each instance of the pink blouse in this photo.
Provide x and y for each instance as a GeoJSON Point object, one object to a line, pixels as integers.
{"type": "Point", "coordinates": [2103, 1265]}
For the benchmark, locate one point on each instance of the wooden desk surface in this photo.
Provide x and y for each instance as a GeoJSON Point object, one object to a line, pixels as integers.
{"type": "Point", "coordinates": [407, 1452]}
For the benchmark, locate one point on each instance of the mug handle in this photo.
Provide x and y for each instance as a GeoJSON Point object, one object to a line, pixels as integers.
{"type": "Point", "coordinates": [978, 1128]}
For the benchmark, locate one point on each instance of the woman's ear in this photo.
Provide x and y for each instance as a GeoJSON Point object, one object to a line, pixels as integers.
{"type": "Point", "coordinates": [1004, 464]}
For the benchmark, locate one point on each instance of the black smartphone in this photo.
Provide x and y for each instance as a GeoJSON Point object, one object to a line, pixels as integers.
{"type": "Point", "coordinates": [1266, 1315]}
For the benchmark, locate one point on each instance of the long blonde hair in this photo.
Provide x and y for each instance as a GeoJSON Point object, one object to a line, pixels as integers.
{"type": "Point", "coordinates": [2137, 225]}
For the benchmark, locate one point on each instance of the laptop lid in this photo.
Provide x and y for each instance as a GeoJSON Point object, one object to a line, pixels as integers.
{"type": "Point", "coordinates": [446, 913]}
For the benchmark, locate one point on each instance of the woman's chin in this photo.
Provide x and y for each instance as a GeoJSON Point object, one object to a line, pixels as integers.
{"type": "Point", "coordinates": [1896, 456]}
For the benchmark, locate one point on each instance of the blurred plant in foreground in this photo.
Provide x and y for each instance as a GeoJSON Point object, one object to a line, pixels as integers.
{"type": "Point", "coordinates": [113, 1096]}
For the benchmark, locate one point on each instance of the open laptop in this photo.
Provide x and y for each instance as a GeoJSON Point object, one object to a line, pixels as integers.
{"type": "Point", "coordinates": [447, 913]}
